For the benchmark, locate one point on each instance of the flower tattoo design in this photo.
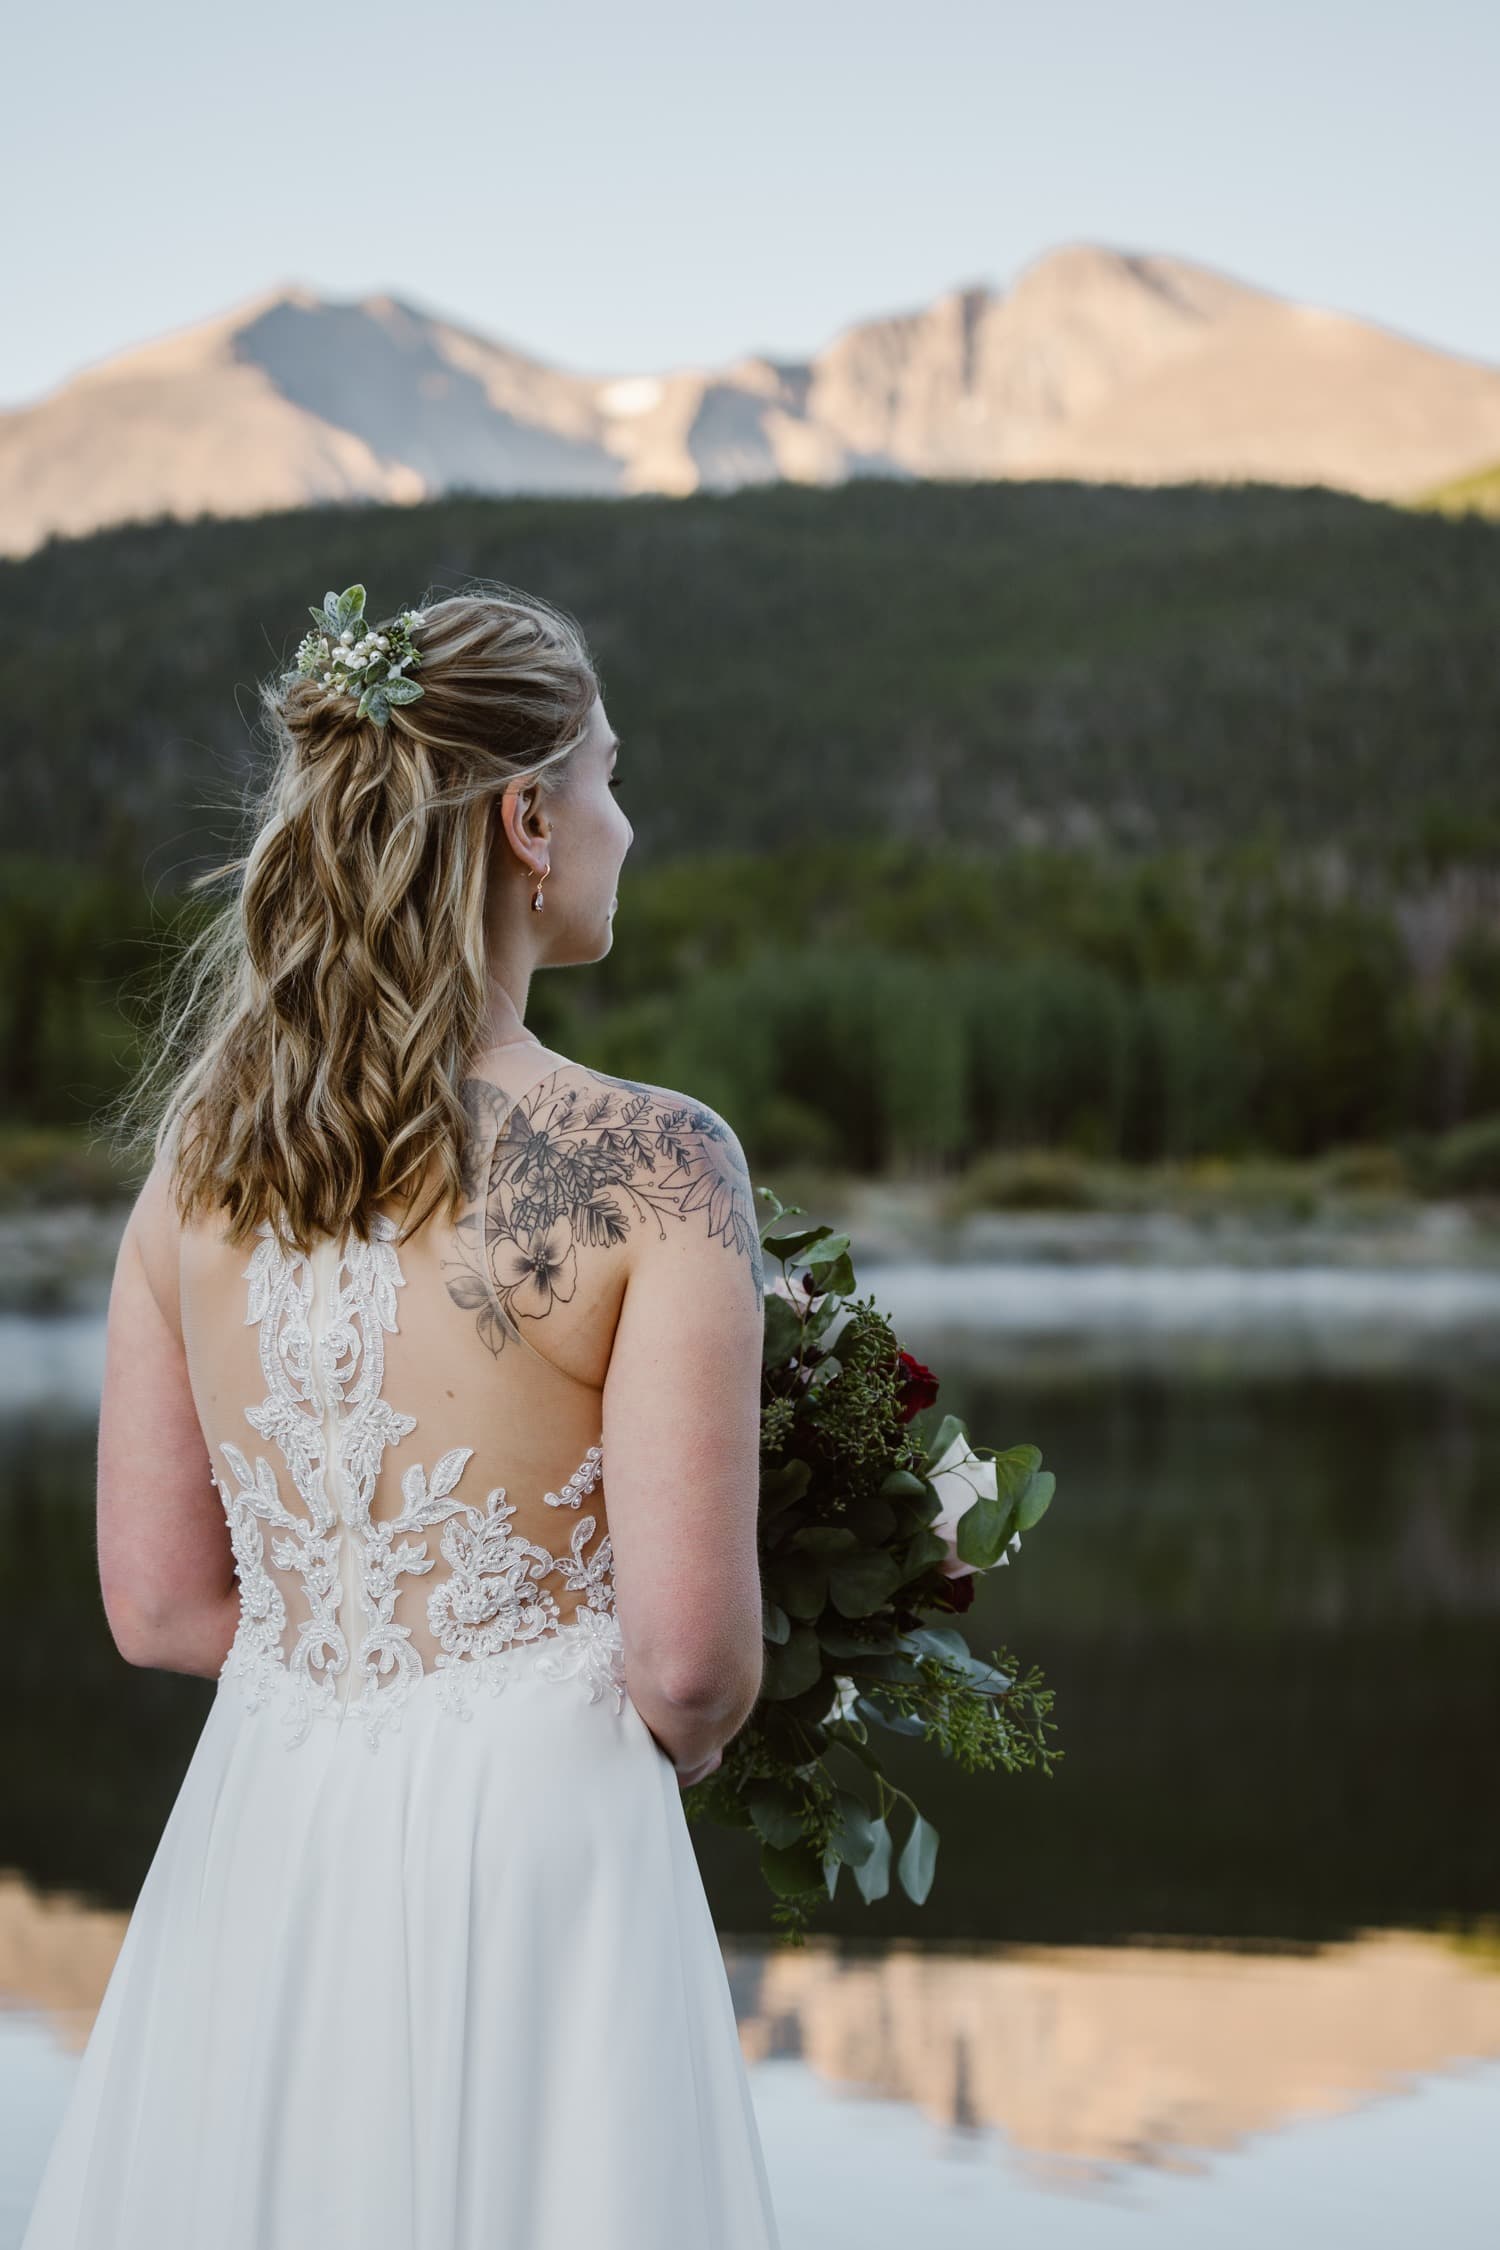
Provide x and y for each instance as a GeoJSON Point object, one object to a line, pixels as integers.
{"type": "Point", "coordinates": [573, 1166]}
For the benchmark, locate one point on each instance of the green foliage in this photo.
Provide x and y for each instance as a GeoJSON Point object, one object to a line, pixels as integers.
{"type": "Point", "coordinates": [969, 819]}
{"type": "Point", "coordinates": [855, 1602]}
{"type": "Point", "coordinates": [1036, 1179]}
{"type": "Point", "coordinates": [1467, 1161]}
{"type": "Point", "coordinates": [346, 654]}
{"type": "Point", "coordinates": [957, 661]}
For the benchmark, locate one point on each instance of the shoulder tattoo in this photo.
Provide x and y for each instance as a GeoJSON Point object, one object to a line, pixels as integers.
{"type": "Point", "coordinates": [565, 1168]}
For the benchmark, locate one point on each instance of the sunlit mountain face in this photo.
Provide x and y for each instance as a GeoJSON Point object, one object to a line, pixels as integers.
{"type": "Point", "coordinates": [1096, 363]}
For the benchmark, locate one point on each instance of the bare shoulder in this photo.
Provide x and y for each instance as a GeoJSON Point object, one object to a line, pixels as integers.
{"type": "Point", "coordinates": [584, 1164]}
{"type": "Point", "coordinates": [153, 1231]}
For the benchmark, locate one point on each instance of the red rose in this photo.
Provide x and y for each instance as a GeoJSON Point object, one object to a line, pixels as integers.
{"type": "Point", "coordinates": [916, 1385]}
{"type": "Point", "coordinates": [960, 1591]}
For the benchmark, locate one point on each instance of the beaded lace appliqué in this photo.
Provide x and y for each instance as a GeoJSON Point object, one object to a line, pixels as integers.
{"type": "Point", "coordinates": [494, 1596]}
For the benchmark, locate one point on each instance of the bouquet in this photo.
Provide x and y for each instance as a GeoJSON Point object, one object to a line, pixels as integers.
{"type": "Point", "coordinates": [876, 1515]}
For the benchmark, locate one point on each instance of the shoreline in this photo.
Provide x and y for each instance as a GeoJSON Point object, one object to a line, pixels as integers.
{"type": "Point", "coordinates": [58, 1258]}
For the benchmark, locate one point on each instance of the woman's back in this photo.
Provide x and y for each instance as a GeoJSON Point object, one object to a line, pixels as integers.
{"type": "Point", "coordinates": [412, 1483]}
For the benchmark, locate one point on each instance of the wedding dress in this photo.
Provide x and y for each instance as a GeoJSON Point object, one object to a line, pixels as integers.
{"type": "Point", "coordinates": [423, 1959]}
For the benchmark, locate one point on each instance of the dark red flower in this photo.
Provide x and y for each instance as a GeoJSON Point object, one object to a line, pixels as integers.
{"type": "Point", "coordinates": [916, 1385]}
{"type": "Point", "coordinates": [960, 1591]}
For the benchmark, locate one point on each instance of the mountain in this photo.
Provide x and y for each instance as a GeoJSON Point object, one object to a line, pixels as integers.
{"type": "Point", "coordinates": [1097, 363]}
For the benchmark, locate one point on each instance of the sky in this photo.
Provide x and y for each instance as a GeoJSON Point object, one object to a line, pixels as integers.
{"type": "Point", "coordinates": [621, 189]}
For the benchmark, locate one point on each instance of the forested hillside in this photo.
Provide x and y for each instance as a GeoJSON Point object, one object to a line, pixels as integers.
{"type": "Point", "coordinates": [1140, 822]}
{"type": "Point", "coordinates": [942, 661]}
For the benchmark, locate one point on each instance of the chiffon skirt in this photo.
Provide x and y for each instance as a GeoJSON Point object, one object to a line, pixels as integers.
{"type": "Point", "coordinates": [463, 1992]}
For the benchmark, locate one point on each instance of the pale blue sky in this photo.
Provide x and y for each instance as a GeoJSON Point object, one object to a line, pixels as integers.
{"type": "Point", "coordinates": [618, 188]}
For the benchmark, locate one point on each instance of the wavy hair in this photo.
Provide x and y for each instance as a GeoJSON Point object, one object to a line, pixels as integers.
{"type": "Point", "coordinates": [327, 1009]}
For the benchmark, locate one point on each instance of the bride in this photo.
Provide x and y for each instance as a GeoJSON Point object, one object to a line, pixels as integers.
{"type": "Point", "coordinates": [429, 1431]}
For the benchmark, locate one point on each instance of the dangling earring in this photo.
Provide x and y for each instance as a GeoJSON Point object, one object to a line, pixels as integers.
{"type": "Point", "coordinates": [536, 896]}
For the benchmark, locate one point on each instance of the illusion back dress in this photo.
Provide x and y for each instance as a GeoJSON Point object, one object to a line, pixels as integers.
{"type": "Point", "coordinates": [423, 1959]}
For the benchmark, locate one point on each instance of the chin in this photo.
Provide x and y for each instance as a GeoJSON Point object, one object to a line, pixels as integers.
{"type": "Point", "coordinates": [587, 950]}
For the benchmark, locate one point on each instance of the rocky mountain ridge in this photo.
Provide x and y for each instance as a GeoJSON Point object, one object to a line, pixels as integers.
{"type": "Point", "coordinates": [1097, 363]}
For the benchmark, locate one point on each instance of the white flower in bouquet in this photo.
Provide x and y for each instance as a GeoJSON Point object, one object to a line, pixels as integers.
{"type": "Point", "coordinates": [960, 1476]}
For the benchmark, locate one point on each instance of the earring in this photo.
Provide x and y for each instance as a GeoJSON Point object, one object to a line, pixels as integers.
{"type": "Point", "coordinates": [536, 896]}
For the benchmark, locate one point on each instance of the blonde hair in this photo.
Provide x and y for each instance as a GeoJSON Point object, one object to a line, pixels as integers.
{"type": "Point", "coordinates": [328, 1008]}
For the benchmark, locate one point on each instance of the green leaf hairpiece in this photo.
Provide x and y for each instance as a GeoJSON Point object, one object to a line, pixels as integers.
{"type": "Point", "coordinates": [345, 655]}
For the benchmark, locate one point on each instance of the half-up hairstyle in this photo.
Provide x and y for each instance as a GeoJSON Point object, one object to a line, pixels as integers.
{"type": "Point", "coordinates": [328, 1009]}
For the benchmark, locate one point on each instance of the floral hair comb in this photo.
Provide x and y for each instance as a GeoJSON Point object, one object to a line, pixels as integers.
{"type": "Point", "coordinates": [344, 654]}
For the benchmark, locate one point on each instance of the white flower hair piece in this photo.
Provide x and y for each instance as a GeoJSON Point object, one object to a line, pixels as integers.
{"type": "Point", "coordinates": [343, 654]}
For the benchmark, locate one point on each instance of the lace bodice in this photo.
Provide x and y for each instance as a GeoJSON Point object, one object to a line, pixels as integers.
{"type": "Point", "coordinates": [355, 1584]}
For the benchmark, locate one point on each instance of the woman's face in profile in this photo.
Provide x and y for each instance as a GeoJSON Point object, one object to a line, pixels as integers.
{"type": "Point", "coordinates": [591, 833]}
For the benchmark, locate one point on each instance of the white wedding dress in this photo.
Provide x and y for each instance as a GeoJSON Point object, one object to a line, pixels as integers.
{"type": "Point", "coordinates": [423, 1960]}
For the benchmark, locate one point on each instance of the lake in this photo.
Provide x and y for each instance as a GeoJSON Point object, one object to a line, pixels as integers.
{"type": "Point", "coordinates": [1231, 1973]}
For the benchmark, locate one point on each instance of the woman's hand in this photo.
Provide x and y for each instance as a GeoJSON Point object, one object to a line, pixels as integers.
{"type": "Point", "coordinates": [687, 1775]}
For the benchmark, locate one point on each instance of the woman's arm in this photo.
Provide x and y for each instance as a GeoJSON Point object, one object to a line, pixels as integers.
{"type": "Point", "coordinates": [166, 1569]}
{"type": "Point", "coordinates": [682, 1471]}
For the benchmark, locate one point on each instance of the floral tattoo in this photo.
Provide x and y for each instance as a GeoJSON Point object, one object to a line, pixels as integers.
{"type": "Point", "coordinates": [557, 1170]}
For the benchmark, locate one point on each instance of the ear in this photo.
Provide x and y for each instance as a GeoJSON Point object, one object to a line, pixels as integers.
{"type": "Point", "coordinates": [524, 821]}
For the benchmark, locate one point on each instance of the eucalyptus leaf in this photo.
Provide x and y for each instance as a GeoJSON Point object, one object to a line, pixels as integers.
{"type": "Point", "coordinates": [793, 1667]}
{"type": "Point", "coordinates": [854, 1838]}
{"type": "Point", "coordinates": [872, 1521]}
{"type": "Point", "coordinates": [922, 1550]}
{"type": "Point", "coordinates": [792, 1245]}
{"type": "Point", "coordinates": [896, 1666]}
{"type": "Point", "coordinates": [950, 1427]}
{"type": "Point", "coordinates": [780, 1486]}
{"type": "Point", "coordinates": [828, 1249]}
{"type": "Point", "coordinates": [779, 1818]}
{"type": "Point", "coordinates": [799, 1583]}
{"type": "Point", "coordinates": [1016, 1465]}
{"type": "Point", "coordinates": [864, 1582]}
{"type": "Point", "coordinates": [945, 1642]}
{"type": "Point", "coordinates": [823, 1539]}
{"type": "Point", "coordinates": [894, 1722]}
{"type": "Point", "coordinates": [1035, 1500]}
{"type": "Point", "coordinates": [790, 1868]}
{"type": "Point", "coordinates": [873, 1875]}
{"type": "Point", "coordinates": [981, 1532]}
{"type": "Point", "coordinates": [832, 1864]}
{"type": "Point", "coordinates": [902, 1482]}
{"type": "Point", "coordinates": [836, 1642]}
{"type": "Point", "coordinates": [918, 1858]}
{"type": "Point", "coordinates": [775, 1625]}
{"type": "Point", "coordinates": [783, 1331]}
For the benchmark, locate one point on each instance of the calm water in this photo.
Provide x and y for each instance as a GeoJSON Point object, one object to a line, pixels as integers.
{"type": "Point", "coordinates": [1232, 1973]}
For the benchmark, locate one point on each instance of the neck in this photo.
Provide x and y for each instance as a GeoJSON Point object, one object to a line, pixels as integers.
{"type": "Point", "coordinates": [505, 1019]}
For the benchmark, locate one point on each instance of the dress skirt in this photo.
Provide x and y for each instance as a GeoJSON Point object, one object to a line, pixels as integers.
{"type": "Point", "coordinates": [464, 1993]}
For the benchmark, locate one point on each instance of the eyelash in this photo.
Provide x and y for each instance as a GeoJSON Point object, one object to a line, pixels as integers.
{"type": "Point", "coordinates": [613, 783]}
